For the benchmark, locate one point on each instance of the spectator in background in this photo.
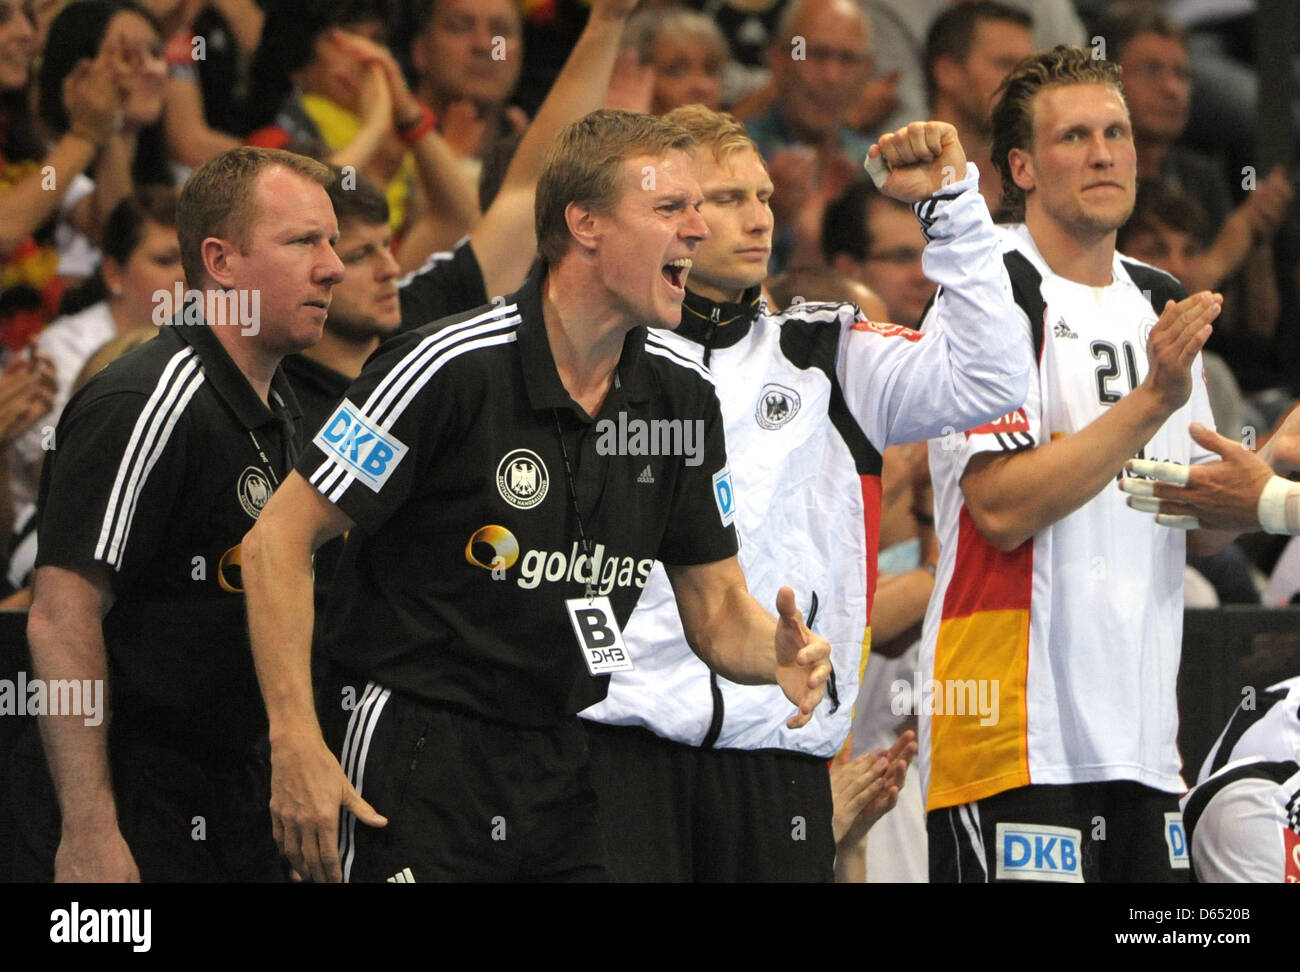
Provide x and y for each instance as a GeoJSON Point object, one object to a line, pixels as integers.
{"type": "Point", "coordinates": [133, 154]}
{"type": "Point", "coordinates": [875, 239]}
{"type": "Point", "coordinates": [312, 94]}
{"type": "Point", "coordinates": [748, 26]}
{"type": "Point", "coordinates": [141, 258]}
{"type": "Point", "coordinates": [209, 61]}
{"type": "Point", "coordinates": [1151, 48]}
{"type": "Point", "coordinates": [686, 51]}
{"type": "Point", "coordinates": [1152, 51]}
{"type": "Point", "coordinates": [467, 55]}
{"type": "Point", "coordinates": [1169, 229]}
{"type": "Point", "coordinates": [820, 59]}
{"type": "Point", "coordinates": [970, 48]}
{"type": "Point", "coordinates": [346, 100]}
{"type": "Point", "coordinates": [34, 178]}
{"type": "Point", "coordinates": [900, 28]}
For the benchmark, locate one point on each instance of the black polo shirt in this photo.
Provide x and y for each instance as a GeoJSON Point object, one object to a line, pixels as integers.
{"type": "Point", "coordinates": [446, 284]}
{"type": "Point", "coordinates": [318, 387]}
{"type": "Point", "coordinates": [446, 453]}
{"type": "Point", "coordinates": [163, 463]}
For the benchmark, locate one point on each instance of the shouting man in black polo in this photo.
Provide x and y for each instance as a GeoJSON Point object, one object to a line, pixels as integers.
{"type": "Point", "coordinates": [498, 543]}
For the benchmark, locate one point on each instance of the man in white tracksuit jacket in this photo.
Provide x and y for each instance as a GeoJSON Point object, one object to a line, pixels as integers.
{"type": "Point", "coordinates": [698, 777]}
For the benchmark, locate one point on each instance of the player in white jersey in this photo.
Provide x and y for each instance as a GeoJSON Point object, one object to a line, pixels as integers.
{"type": "Point", "coordinates": [1265, 726]}
{"type": "Point", "coordinates": [1243, 823]}
{"type": "Point", "coordinates": [696, 777]}
{"type": "Point", "coordinates": [1053, 637]}
{"type": "Point", "coordinates": [1243, 817]}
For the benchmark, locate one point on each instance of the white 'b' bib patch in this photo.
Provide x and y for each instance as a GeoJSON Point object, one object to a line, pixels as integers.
{"type": "Point", "coordinates": [599, 638]}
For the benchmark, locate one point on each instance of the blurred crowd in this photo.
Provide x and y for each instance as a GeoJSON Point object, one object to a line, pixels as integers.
{"type": "Point", "coordinates": [107, 105]}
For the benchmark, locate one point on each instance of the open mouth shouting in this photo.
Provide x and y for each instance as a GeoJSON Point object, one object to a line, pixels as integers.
{"type": "Point", "coordinates": [676, 272]}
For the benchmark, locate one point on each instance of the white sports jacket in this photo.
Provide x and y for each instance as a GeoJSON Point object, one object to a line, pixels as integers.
{"type": "Point", "coordinates": [810, 398]}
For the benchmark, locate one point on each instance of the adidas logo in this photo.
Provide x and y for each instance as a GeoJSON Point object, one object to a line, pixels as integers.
{"type": "Point", "coordinates": [1062, 330]}
{"type": "Point", "coordinates": [646, 475]}
{"type": "Point", "coordinates": [404, 876]}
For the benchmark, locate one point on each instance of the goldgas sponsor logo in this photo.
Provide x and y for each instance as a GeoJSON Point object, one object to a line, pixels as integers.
{"type": "Point", "coordinates": [495, 548]}
{"type": "Point", "coordinates": [492, 547]}
{"type": "Point", "coordinates": [368, 452]}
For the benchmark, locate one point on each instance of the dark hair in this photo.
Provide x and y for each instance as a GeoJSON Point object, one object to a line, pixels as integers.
{"type": "Point", "coordinates": [1013, 115]}
{"type": "Point", "coordinates": [123, 231]}
{"type": "Point", "coordinates": [953, 33]}
{"type": "Point", "coordinates": [1122, 21]}
{"type": "Point", "coordinates": [125, 224]}
{"type": "Point", "coordinates": [1160, 202]}
{"type": "Point", "coordinates": [288, 44]}
{"type": "Point", "coordinates": [356, 199]}
{"type": "Point", "coordinates": [844, 224]}
{"type": "Point", "coordinates": [76, 34]}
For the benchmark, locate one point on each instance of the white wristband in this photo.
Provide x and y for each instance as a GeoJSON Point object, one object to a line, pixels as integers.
{"type": "Point", "coordinates": [1279, 506]}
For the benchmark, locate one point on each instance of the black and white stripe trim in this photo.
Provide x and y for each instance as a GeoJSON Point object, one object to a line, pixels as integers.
{"type": "Point", "coordinates": [816, 312]}
{"type": "Point", "coordinates": [656, 347]}
{"type": "Point", "coordinates": [442, 256]}
{"type": "Point", "coordinates": [356, 744]}
{"type": "Point", "coordinates": [397, 389]}
{"type": "Point", "coordinates": [153, 427]}
{"type": "Point", "coordinates": [969, 814]}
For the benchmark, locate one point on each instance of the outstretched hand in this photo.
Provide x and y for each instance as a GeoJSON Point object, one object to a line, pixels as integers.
{"type": "Point", "coordinates": [1219, 495]}
{"type": "Point", "coordinates": [802, 659]}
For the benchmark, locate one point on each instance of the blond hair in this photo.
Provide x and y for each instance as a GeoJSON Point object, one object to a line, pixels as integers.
{"type": "Point", "coordinates": [716, 129]}
{"type": "Point", "coordinates": [1013, 116]}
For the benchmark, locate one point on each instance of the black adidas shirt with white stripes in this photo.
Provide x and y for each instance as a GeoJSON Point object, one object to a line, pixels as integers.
{"type": "Point", "coordinates": [162, 464]}
{"type": "Point", "coordinates": [446, 284]}
{"type": "Point", "coordinates": [446, 453]}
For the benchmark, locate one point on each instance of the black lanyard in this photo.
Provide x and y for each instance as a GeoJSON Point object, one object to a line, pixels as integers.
{"type": "Point", "coordinates": [577, 512]}
{"type": "Point", "coordinates": [266, 462]}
